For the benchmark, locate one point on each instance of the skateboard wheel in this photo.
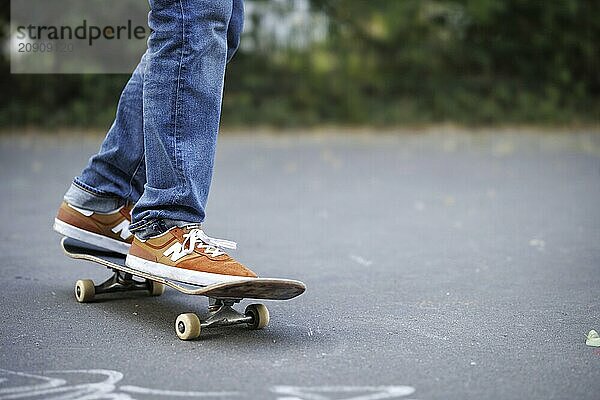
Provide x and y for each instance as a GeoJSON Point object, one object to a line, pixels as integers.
{"type": "Point", "coordinates": [156, 288]}
{"type": "Point", "coordinates": [85, 290]}
{"type": "Point", "coordinates": [187, 326]}
{"type": "Point", "coordinates": [259, 314]}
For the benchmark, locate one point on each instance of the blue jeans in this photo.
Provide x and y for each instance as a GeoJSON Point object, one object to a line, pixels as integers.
{"type": "Point", "coordinates": [159, 152]}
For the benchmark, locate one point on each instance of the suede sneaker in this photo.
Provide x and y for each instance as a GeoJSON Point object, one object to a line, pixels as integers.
{"type": "Point", "coordinates": [106, 230]}
{"type": "Point", "coordinates": [187, 255]}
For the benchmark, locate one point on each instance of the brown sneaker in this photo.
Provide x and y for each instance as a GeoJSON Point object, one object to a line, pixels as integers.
{"type": "Point", "coordinates": [187, 255]}
{"type": "Point", "coordinates": [107, 230]}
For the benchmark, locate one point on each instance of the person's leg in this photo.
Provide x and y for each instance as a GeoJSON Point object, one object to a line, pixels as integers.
{"type": "Point", "coordinates": [116, 174]}
{"type": "Point", "coordinates": [183, 86]}
{"type": "Point", "coordinates": [96, 208]}
{"type": "Point", "coordinates": [192, 40]}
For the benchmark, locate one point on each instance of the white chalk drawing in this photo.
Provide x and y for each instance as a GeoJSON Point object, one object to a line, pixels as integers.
{"type": "Point", "coordinates": [55, 385]}
{"type": "Point", "coordinates": [348, 392]}
{"type": "Point", "coordinates": [102, 384]}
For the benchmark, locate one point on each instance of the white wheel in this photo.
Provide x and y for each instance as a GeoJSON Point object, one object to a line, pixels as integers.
{"type": "Point", "coordinates": [156, 288]}
{"type": "Point", "coordinates": [259, 314]}
{"type": "Point", "coordinates": [85, 290]}
{"type": "Point", "coordinates": [187, 326]}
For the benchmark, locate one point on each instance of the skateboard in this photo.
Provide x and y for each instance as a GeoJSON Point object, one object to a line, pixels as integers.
{"type": "Point", "coordinates": [222, 296]}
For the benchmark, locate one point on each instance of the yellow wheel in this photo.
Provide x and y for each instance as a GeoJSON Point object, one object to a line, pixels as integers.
{"type": "Point", "coordinates": [85, 290]}
{"type": "Point", "coordinates": [187, 326]}
{"type": "Point", "coordinates": [156, 288]}
{"type": "Point", "coordinates": [259, 314]}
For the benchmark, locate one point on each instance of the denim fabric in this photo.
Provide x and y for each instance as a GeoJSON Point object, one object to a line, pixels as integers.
{"type": "Point", "coordinates": [159, 152]}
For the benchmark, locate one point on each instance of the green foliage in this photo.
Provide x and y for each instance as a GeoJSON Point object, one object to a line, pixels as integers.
{"type": "Point", "coordinates": [383, 62]}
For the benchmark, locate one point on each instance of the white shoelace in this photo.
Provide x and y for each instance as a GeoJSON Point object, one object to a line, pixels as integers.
{"type": "Point", "coordinates": [197, 239]}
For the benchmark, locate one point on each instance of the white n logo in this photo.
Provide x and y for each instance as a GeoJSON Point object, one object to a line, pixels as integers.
{"type": "Point", "coordinates": [123, 228]}
{"type": "Point", "coordinates": [175, 251]}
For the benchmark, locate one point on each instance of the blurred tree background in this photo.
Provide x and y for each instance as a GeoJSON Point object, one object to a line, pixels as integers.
{"type": "Point", "coordinates": [371, 62]}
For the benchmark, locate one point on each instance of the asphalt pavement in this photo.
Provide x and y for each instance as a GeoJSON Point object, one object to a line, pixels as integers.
{"type": "Point", "coordinates": [439, 264]}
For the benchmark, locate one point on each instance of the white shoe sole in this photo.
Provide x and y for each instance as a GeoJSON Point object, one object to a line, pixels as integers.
{"type": "Point", "coordinates": [90, 237]}
{"type": "Point", "coordinates": [180, 274]}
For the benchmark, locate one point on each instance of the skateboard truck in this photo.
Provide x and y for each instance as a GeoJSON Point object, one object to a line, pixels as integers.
{"type": "Point", "coordinates": [124, 282]}
{"type": "Point", "coordinates": [221, 313]}
{"type": "Point", "coordinates": [119, 282]}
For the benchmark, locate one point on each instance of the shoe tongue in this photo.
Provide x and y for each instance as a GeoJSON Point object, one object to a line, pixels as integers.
{"type": "Point", "coordinates": [178, 233]}
{"type": "Point", "coordinates": [188, 228]}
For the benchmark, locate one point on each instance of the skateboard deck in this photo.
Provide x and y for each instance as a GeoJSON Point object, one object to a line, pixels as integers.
{"type": "Point", "coordinates": [258, 288]}
{"type": "Point", "coordinates": [222, 295]}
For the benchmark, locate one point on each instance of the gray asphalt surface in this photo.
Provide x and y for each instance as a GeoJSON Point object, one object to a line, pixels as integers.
{"type": "Point", "coordinates": [439, 266]}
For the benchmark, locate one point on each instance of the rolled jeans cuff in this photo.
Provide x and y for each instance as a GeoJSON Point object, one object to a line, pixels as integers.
{"type": "Point", "coordinates": [83, 196]}
{"type": "Point", "coordinates": [145, 229]}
